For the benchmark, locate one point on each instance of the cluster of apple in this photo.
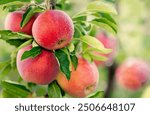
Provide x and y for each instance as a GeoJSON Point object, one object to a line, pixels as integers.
{"type": "Point", "coordinates": [52, 30]}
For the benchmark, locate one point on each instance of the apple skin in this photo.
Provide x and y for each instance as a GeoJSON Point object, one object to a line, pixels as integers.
{"type": "Point", "coordinates": [13, 21]}
{"type": "Point", "coordinates": [53, 29]}
{"type": "Point", "coordinates": [42, 69]}
{"type": "Point", "coordinates": [83, 81]}
{"type": "Point", "coordinates": [133, 73]}
{"type": "Point", "coordinates": [109, 43]}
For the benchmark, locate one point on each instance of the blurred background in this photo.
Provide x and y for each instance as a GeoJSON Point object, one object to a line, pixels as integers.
{"type": "Point", "coordinates": [133, 41]}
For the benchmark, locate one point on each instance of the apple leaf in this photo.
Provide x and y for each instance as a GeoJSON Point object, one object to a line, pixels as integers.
{"type": "Point", "coordinates": [9, 1]}
{"type": "Point", "coordinates": [102, 7]}
{"type": "Point", "coordinates": [87, 57]}
{"type": "Point", "coordinates": [15, 89]}
{"type": "Point", "coordinates": [3, 64]}
{"type": "Point", "coordinates": [108, 17]}
{"type": "Point", "coordinates": [74, 59]}
{"type": "Point", "coordinates": [16, 42]}
{"type": "Point", "coordinates": [54, 90]}
{"type": "Point", "coordinates": [14, 53]}
{"type": "Point", "coordinates": [98, 94]}
{"type": "Point", "coordinates": [105, 24]}
{"type": "Point", "coordinates": [9, 35]}
{"type": "Point", "coordinates": [5, 68]}
{"type": "Point", "coordinates": [94, 43]}
{"type": "Point", "coordinates": [64, 62]}
{"type": "Point", "coordinates": [35, 51]}
{"type": "Point", "coordinates": [29, 14]}
{"type": "Point", "coordinates": [97, 57]}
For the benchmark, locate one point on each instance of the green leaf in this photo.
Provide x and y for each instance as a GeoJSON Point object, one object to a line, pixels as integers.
{"type": "Point", "coordinates": [64, 62]}
{"type": "Point", "coordinates": [29, 14]}
{"type": "Point", "coordinates": [14, 53]}
{"type": "Point", "coordinates": [54, 91]}
{"type": "Point", "coordinates": [98, 94]}
{"type": "Point", "coordinates": [15, 89]}
{"type": "Point", "coordinates": [74, 60]}
{"type": "Point", "coordinates": [35, 51]}
{"type": "Point", "coordinates": [7, 94]}
{"type": "Point", "coordinates": [102, 7]}
{"type": "Point", "coordinates": [105, 24]}
{"type": "Point", "coordinates": [3, 64]}
{"type": "Point", "coordinates": [9, 1]}
{"type": "Point", "coordinates": [5, 70]}
{"type": "Point", "coordinates": [93, 42]}
{"type": "Point", "coordinates": [97, 57]}
{"type": "Point", "coordinates": [16, 42]}
{"type": "Point", "coordinates": [108, 17]}
{"type": "Point", "coordinates": [71, 47]}
{"type": "Point", "coordinates": [81, 29]}
{"type": "Point", "coordinates": [87, 57]}
{"type": "Point", "coordinates": [9, 35]}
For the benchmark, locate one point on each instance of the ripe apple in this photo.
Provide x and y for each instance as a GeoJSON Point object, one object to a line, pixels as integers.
{"type": "Point", "coordinates": [53, 29]}
{"type": "Point", "coordinates": [13, 21]}
{"type": "Point", "coordinates": [42, 69]}
{"type": "Point", "coordinates": [109, 43]}
{"type": "Point", "coordinates": [83, 81]}
{"type": "Point", "coordinates": [133, 73]}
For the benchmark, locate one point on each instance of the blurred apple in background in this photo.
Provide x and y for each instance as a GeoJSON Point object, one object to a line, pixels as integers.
{"type": "Point", "coordinates": [133, 73]}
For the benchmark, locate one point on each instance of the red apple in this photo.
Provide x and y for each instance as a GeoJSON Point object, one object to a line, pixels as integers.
{"type": "Point", "coordinates": [133, 73]}
{"type": "Point", "coordinates": [13, 21]}
{"type": "Point", "coordinates": [109, 43]}
{"type": "Point", "coordinates": [42, 69]}
{"type": "Point", "coordinates": [53, 29]}
{"type": "Point", "coordinates": [83, 81]}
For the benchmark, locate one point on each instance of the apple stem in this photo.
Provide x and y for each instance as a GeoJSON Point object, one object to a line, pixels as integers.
{"type": "Point", "coordinates": [50, 4]}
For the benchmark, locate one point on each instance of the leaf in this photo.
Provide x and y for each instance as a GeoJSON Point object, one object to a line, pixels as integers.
{"type": "Point", "coordinates": [15, 89]}
{"type": "Point", "coordinates": [105, 24]}
{"type": "Point", "coordinates": [64, 62]}
{"type": "Point", "coordinates": [14, 53]}
{"type": "Point", "coordinates": [3, 64]}
{"type": "Point", "coordinates": [35, 51]}
{"type": "Point", "coordinates": [93, 42]}
{"type": "Point", "coordinates": [54, 91]}
{"type": "Point", "coordinates": [29, 14]}
{"type": "Point", "coordinates": [9, 1]}
{"type": "Point", "coordinates": [97, 57]}
{"type": "Point", "coordinates": [81, 29]}
{"type": "Point", "coordinates": [7, 94]}
{"type": "Point", "coordinates": [87, 57]}
{"type": "Point", "coordinates": [16, 42]}
{"type": "Point", "coordinates": [9, 35]}
{"type": "Point", "coordinates": [74, 61]}
{"type": "Point", "coordinates": [102, 7]}
{"type": "Point", "coordinates": [71, 47]}
{"type": "Point", "coordinates": [98, 94]}
{"type": "Point", "coordinates": [5, 70]}
{"type": "Point", "coordinates": [108, 17]}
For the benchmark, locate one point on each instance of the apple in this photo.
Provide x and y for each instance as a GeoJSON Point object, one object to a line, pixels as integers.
{"type": "Point", "coordinates": [13, 21]}
{"type": "Point", "coordinates": [53, 29]}
{"type": "Point", "coordinates": [133, 73]}
{"type": "Point", "coordinates": [83, 81]}
{"type": "Point", "coordinates": [42, 69]}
